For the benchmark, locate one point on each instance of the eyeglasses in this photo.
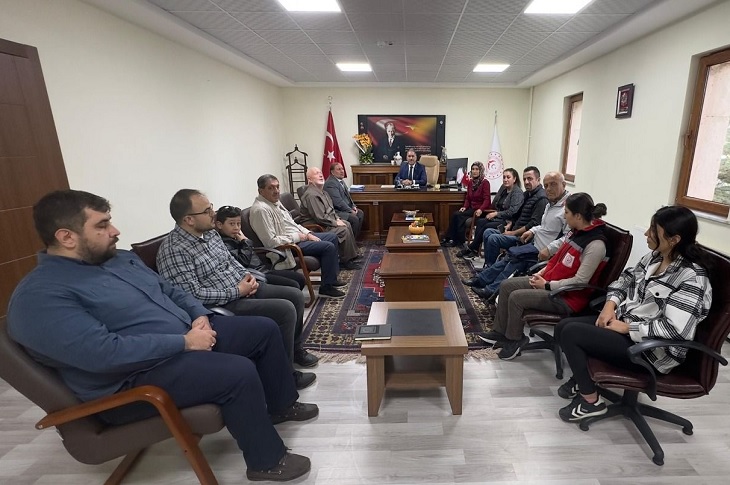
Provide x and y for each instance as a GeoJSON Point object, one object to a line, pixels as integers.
{"type": "Point", "coordinates": [209, 211]}
{"type": "Point", "coordinates": [229, 209]}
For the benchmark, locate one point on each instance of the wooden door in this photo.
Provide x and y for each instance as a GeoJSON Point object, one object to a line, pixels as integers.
{"type": "Point", "coordinates": [30, 161]}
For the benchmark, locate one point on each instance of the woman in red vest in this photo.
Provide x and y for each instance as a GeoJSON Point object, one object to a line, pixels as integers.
{"type": "Point", "coordinates": [579, 260]}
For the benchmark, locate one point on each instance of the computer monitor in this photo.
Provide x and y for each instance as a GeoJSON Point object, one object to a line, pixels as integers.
{"type": "Point", "coordinates": [453, 165]}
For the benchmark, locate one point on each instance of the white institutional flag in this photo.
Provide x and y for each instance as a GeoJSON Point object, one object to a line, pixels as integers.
{"type": "Point", "coordinates": [495, 164]}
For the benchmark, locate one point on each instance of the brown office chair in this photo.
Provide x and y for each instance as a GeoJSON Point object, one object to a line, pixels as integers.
{"type": "Point", "coordinates": [90, 440]}
{"type": "Point", "coordinates": [693, 378]}
{"type": "Point", "coordinates": [308, 264]}
{"type": "Point", "coordinates": [620, 242]}
{"type": "Point", "coordinates": [431, 164]}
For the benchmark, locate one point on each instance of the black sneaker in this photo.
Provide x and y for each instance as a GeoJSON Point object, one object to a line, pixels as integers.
{"type": "Point", "coordinates": [579, 409]}
{"type": "Point", "coordinates": [299, 411]}
{"type": "Point", "coordinates": [329, 291]}
{"type": "Point", "coordinates": [512, 348]}
{"type": "Point", "coordinates": [492, 337]}
{"type": "Point", "coordinates": [291, 466]}
{"type": "Point", "coordinates": [305, 359]}
{"type": "Point", "coordinates": [303, 380]}
{"type": "Point", "coordinates": [339, 284]}
{"type": "Point", "coordinates": [569, 389]}
{"type": "Point", "coordinates": [471, 256]}
{"type": "Point", "coordinates": [462, 252]}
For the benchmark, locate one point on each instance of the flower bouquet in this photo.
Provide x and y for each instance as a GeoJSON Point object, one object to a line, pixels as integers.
{"type": "Point", "coordinates": [365, 145]}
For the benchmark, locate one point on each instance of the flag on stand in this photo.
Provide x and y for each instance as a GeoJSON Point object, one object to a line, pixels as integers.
{"type": "Point", "coordinates": [332, 152]}
{"type": "Point", "coordinates": [495, 164]}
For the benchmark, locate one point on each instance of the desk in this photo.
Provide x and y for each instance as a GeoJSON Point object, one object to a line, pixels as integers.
{"type": "Point", "coordinates": [379, 205]}
{"type": "Point", "coordinates": [409, 275]}
{"type": "Point", "coordinates": [394, 242]}
{"type": "Point", "coordinates": [416, 361]}
{"type": "Point", "coordinates": [399, 219]}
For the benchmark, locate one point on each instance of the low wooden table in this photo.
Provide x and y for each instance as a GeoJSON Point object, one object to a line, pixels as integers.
{"type": "Point", "coordinates": [414, 275]}
{"type": "Point", "coordinates": [416, 361]}
{"type": "Point", "coordinates": [394, 244]}
{"type": "Point", "coordinates": [399, 218]}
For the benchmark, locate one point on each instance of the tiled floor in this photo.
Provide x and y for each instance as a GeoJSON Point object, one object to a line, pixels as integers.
{"type": "Point", "coordinates": [509, 433]}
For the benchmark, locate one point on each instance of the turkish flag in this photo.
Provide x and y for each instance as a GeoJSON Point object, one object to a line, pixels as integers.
{"type": "Point", "coordinates": [332, 152]}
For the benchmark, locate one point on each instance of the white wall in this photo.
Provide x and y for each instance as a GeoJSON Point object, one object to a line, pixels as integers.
{"type": "Point", "coordinates": [469, 118]}
{"type": "Point", "coordinates": [139, 117]}
{"type": "Point", "coordinates": [633, 164]}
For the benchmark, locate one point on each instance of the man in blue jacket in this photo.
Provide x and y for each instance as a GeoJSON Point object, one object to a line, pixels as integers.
{"type": "Point", "coordinates": [412, 172]}
{"type": "Point", "coordinates": [106, 323]}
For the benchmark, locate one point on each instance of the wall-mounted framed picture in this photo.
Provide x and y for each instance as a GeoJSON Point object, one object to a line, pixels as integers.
{"type": "Point", "coordinates": [624, 101]}
{"type": "Point", "coordinates": [392, 134]}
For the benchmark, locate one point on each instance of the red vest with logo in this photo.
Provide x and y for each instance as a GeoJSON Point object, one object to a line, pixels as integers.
{"type": "Point", "coordinates": [565, 263]}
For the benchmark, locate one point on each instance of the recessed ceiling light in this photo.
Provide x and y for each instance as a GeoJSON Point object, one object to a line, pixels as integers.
{"type": "Point", "coordinates": [490, 67]}
{"type": "Point", "coordinates": [556, 7]}
{"type": "Point", "coordinates": [310, 5]}
{"type": "Point", "coordinates": [354, 67]}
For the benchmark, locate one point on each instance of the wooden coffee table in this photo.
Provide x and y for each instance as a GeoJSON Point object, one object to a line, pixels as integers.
{"type": "Point", "coordinates": [414, 275]}
{"type": "Point", "coordinates": [416, 361]}
{"type": "Point", "coordinates": [394, 244]}
{"type": "Point", "coordinates": [399, 218]}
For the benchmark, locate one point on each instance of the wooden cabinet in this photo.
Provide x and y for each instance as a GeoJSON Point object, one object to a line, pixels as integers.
{"type": "Point", "coordinates": [381, 174]}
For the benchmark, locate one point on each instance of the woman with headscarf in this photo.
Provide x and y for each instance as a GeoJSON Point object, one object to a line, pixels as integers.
{"type": "Point", "coordinates": [477, 201]}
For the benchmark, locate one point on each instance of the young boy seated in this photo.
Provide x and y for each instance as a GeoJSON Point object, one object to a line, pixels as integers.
{"type": "Point", "coordinates": [228, 224]}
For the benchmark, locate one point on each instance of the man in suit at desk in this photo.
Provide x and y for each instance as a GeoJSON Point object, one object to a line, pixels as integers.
{"type": "Point", "coordinates": [345, 208]}
{"type": "Point", "coordinates": [389, 146]}
{"type": "Point", "coordinates": [411, 172]}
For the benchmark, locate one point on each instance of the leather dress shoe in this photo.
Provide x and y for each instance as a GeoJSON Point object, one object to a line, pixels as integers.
{"type": "Point", "coordinates": [482, 293]}
{"type": "Point", "coordinates": [350, 265]}
{"type": "Point", "coordinates": [304, 379]}
{"type": "Point", "coordinates": [298, 411]}
{"type": "Point", "coordinates": [303, 358]}
{"type": "Point", "coordinates": [473, 282]}
{"type": "Point", "coordinates": [291, 466]}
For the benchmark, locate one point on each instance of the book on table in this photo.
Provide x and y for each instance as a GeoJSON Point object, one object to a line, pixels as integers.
{"type": "Point", "coordinates": [416, 238]}
{"type": "Point", "coordinates": [357, 188]}
{"type": "Point", "coordinates": [373, 332]}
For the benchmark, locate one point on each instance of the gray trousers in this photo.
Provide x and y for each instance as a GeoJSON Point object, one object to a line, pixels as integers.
{"type": "Point", "coordinates": [515, 296]}
{"type": "Point", "coordinates": [283, 304]}
{"type": "Point", "coordinates": [355, 220]}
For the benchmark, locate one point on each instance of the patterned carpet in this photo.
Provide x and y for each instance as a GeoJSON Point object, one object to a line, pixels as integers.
{"type": "Point", "coordinates": [331, 324]}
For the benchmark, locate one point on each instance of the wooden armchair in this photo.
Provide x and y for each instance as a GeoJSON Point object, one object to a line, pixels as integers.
{"type": "Point", "coordinates": [307, 264]}
{"type": "Point", "coordinates": [89, 439]}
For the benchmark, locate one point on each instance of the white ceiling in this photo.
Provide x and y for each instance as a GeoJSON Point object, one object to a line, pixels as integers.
{"type": "Point", "coordinates": [407, 42]}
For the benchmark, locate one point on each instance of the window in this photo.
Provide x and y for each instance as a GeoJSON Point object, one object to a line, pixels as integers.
{"type": "Point", "coordinates": [574, 112]}
{"type": "Point", "coordinates": [704, 180]}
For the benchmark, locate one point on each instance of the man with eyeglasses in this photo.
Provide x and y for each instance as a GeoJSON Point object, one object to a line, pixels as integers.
{"type": "Point", "coordinates": [194, 257]}
{"type": "Point", "coordinates": [105, 323]}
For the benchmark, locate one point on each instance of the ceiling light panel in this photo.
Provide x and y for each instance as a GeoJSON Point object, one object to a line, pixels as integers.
{"type": "Point", "coordinates": [310, 5]}
{"type": "Point", "coordinates": [556, 7]}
